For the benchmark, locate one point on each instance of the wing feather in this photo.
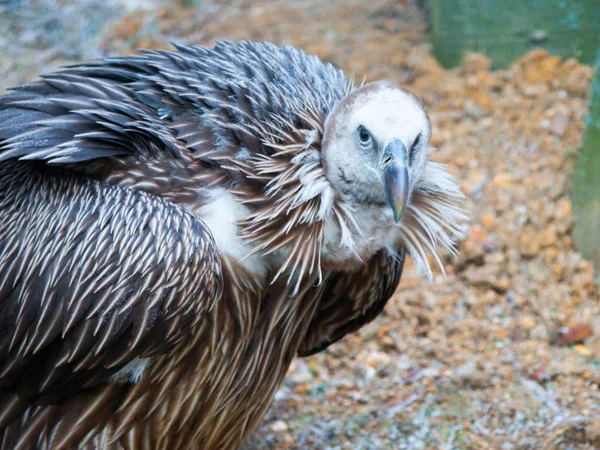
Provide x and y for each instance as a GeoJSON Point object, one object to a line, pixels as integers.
{"type": "Point", "coordinates": [196, 99]}
{"type": "Point", "coordinates": [353, 299]}
{"type": "Point", "coordinates": [84, 289]}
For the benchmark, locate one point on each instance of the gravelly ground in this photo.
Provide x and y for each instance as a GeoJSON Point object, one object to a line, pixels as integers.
{"type": "Point", "coordinates": [504, 352]}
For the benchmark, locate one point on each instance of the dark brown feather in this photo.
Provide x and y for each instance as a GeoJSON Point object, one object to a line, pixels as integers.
{"type": "Point", "coordinates": [351, 300]}
{"type": "Point", "coordinates": [71, 314]}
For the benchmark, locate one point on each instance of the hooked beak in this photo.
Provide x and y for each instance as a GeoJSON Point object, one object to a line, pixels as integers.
{"type": "Point", "coordinates": [395, 177]}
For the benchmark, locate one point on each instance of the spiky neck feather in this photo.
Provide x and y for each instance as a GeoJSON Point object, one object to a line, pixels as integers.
{"type": "Point", "coordinates": [320, 228]}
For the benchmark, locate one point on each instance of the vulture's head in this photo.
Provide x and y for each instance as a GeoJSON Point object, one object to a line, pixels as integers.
{"type": "Point", "coordinates": [375, 155]}
{"type": "Point", "coordinates": [375, 146]}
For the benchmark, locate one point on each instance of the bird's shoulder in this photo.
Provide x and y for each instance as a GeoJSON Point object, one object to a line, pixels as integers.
{"type": "Point", "coordinates": [352, 299]}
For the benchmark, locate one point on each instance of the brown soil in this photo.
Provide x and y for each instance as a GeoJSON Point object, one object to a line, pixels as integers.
{"type": "Point", "coordinates": [504, 352]}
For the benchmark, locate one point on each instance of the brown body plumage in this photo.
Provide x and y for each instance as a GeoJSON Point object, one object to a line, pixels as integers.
{"type": "Point", "coordinates": [174, 236]}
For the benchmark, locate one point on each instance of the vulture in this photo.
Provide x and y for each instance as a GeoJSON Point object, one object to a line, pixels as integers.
{"type": "Point", "coordinates": [177, 226]}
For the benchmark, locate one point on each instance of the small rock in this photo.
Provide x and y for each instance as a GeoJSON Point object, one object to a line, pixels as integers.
{"type": "Point", "coordinates": [529, 243]}
{"type": "Point", "coordinates": [370, 331]}
{"type": "Point", "coordinates": [575, 78]}
{"type": "Point", "coordinates": [536, 90]}
{"type": "Point", "coordinates": [539, 67]}
{"type": "Point", "coordinates": [539, 374]}
{"type": "Point", "coordinates": [527, 443]}
{"type": "Point", "coordinates": [545, 123]}
{"type": "Point", "coordinates": [365, 373]}
{"type": "Point", "coordinates": [501, 284]}
{"type": "Point", "coordinates": [473, 109]}
{"type": "Point", "coordinates": [377, 359]}
{"type": "Point", "coordinates": [279, 426]}
{"type": "Point", "coordinates": [488, 220]}
{"type": "Point", "coordinates": [527, 322]}
{"type": "Point", "coordinates": [563, 208]}
{"type": "Point", "coordinates": [548, 237]}
{"type": "Point", "coordinates": [300, 373]}
{"type": "Point", "coordinates": [478, 234]}
{"type": "Point", "coordinates": [482, 99]}
{"type": "Point", "coordinates": [473, 251]}
{"type": "Point", "coordinates": [423, 63]}
{"type": "Point", "coordinates": [283, 394]}
{"type": "Point", "coordinates": [469, 374]}
{"type": "Point", "coordinates": [359, 397]}
{"type": "Point", "coordinates": [559, 124]}
{"type": "Point", "coordinates": [572, 364]}
{"type": "Point", "coordinates": [592, 433]}
{"type": "Point", "coordinates": [539, 332]}
{"type": "Point", "coordinates": [503, 180]}
{"type": "Point", "coordinates": [476, 62]}
{"type": "Point", "coordinates": [538, 36]}
{"type": "Point", "coordinates": [481, 276]}
{"type": "Point", "coordinates": [583, 350]}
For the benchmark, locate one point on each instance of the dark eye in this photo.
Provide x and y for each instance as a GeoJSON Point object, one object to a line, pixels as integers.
{"type": "Point", "coordinates": [363, 135]}
{"type": "Point", "coordinates": [413, 149]}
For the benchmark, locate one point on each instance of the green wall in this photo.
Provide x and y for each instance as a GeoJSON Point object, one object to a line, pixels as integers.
{"type": "Point", "coordinates": [586, 181]}
{"type": "Point", "coordinates": [504, 30]}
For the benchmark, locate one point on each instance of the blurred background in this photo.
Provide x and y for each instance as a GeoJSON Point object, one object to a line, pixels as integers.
{"type": "Point", "coordinates": [503, 353]}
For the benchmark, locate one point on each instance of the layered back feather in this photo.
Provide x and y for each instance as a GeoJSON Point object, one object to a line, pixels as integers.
{"type": "Point", "coordinates": [245, 116]}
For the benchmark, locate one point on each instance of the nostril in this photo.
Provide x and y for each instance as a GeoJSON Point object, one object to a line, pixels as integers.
{"type": "Point", "coordinates": [387, 160]}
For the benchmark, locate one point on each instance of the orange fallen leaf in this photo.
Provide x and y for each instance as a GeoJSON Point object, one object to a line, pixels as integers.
{"type": "Point", "coordinates": [574, 334]}
{"type": "Point", "coordinates": [478, 234]}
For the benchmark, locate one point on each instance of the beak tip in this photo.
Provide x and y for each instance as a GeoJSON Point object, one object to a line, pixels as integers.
{"type": "Point", "coordinates": [395, 177]}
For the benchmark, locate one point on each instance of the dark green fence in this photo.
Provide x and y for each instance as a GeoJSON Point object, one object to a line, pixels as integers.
{"type": "Point", "coordinates": [504, 30]}
{"type": "Point", "coordinates": [586, 182]}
